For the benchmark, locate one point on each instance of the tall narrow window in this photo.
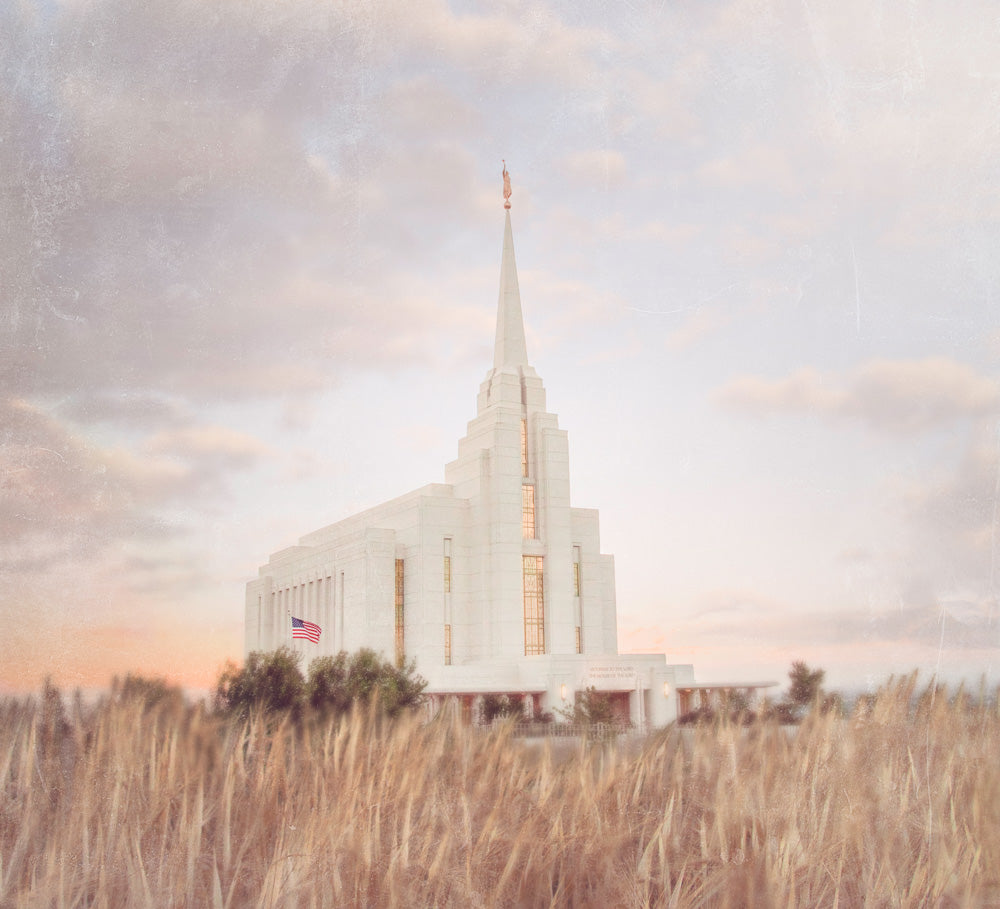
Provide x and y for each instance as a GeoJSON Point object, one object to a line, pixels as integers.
{"type": "Point", "coordinates": [399, 611]}
{"type": "Point", "coordinates": [534, 605]}
{"type": "Point", "coordinates": [524, 448]}
{"type": "Point", "coordinates": [340, 612]}
{"type": "Point", "coordinates": [577, 605]}
{"type": "Point", "coordinates": [447, 601]}
{"type": "Point", "coordinates": [528, 511]}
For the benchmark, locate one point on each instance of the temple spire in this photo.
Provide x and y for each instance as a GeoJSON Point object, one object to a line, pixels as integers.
{"type": "Point", "coordinates": [510, 349]}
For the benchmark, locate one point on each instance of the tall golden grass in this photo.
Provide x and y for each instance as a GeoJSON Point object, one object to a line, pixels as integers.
{"type": "Point", "coordinates": [131, 805]}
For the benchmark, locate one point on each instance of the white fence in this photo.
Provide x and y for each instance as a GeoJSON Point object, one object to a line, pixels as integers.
{"type": "Point", "coordinates": [572, 730]}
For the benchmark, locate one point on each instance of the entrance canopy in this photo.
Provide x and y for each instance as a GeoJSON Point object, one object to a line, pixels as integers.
{"type": "Point", "coordinates": [714, 694]}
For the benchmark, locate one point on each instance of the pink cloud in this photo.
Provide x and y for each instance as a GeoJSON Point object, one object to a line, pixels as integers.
{"type": "Point", "coordinates": [900, 396]}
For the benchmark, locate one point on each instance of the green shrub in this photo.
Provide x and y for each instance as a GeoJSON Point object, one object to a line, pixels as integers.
{"type": "Point", "coordinates": [334, 683]}
{"type": "Point", "coordinates": [153, 693]}
{"type": "Point", "coordinates": [501, 706]}
{"type": "Point", "coordinates": [326, 688]}
{"type": "Point", "coordinates": [268, 682]}
{"type": "Point", "coordinates": [273, 682]}
{"type": "Point", "coordinates": [590, 708]}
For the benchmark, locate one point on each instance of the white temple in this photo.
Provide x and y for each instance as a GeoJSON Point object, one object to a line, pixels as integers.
{"type": "Point", "coordinates": [490, 581]}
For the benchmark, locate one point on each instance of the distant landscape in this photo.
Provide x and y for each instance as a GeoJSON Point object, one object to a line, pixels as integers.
{"type": "Point", "coordinates": [147, 799]}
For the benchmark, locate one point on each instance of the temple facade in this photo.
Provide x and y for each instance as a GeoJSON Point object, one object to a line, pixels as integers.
{"type": "Point", "coordinates": [491, 581]}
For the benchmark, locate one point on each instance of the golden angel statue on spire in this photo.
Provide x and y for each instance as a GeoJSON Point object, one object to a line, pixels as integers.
{"type": "Point", "coordinates": [506, 186]}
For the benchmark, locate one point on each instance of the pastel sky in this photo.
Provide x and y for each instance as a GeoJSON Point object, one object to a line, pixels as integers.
{"type": "Point", "coordinates": [249, 258]}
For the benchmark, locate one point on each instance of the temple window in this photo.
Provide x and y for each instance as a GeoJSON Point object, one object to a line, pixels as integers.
{"type": "Point", "coordinates": [528, 511]}
{"type": "Point", "coordinates": [400, 651]}
{"type": "Point", "coordinates": [524, 448]}
{"type": "Point", "coordinates": [534, 605]}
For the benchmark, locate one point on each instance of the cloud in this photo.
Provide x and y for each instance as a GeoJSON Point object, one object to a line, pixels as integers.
{"type": "Point", "coordinates": [565, 309]}
{"type": "Point", "coordinates": [803, 392]}
{"type": "Point", "coordinates": [823, 115]}
{"type": "Point", "coordinates": [527, 44]}
{"type": "Point", "coordinates": [173, 174]}
{"type": "Point", "coordinates": [896, 396]}
{"type": "Point", "coordinates": [56, 484]}
{"type": "Point", "coordinates": [218, 444]}
{"type": "Point", "coordinates": [601, 168]}
{"type": "Point", "coordinates": [951, 547]}
{"type": "Point", "coordinates": [756, 165]}
{"type": "Point", "coordinates": [123, 409]}
{"type": "Point", "coordinates": [64, 497]}
{"type": "Point", "coordinates": [700, 324]}
{"type": "Point", "coordinates": [579, 231]}
{"type": "Point", "coordinates": [426, 105]}
{"type": "Point", "coordinates": [664, 102]}
{"type": "Point", "coordinates": [931, 582]}
{"type": "Point", "coordinates": [914, 395]}
{"type": "Point", "coordinates": [954, 623]}
{"type": "Point", "coordinates": [133, 174]}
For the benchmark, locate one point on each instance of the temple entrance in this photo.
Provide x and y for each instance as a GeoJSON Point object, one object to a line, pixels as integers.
{"type": "Point", "coordinates": [620, 710]}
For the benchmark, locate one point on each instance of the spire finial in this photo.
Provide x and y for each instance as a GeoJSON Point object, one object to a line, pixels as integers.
{"type": "Point", "coordinates": [506, 186]}
{"type": "Point", "coordinates": [509, 352]}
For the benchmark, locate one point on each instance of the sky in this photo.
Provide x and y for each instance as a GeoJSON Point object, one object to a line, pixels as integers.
{"type": "Point", "coordinates": [249, 260]}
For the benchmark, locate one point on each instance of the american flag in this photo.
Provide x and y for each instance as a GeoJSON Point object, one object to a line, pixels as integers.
{"type": "Point", "coordinates": [303, 629]}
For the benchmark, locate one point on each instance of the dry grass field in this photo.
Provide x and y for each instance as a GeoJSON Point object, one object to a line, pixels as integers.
{"type": "Point", "coordinates": [126, 804]}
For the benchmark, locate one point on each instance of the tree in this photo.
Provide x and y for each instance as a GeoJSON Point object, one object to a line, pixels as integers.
{"type": "Point", "coordinates": [334, 683]}
{"type": "Point", "coordinates": [806, 685]}
{"type": "Point", "coordinates": [497, 706]}
{"type": "Point", "coordinates": [326, 687]}
{"type": "Point", "coordinates": [590, 708]}
{"type": "Point", "coordinates": [273, 682]}
{"type": "Point", "coordinates": [152, 693]}
{"type": "Point", "coordinates": [400, 688]}
{"type": "Point", "coordinates": [269, 682]}
{"type": "Point", "coordinates": [738, 706]}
